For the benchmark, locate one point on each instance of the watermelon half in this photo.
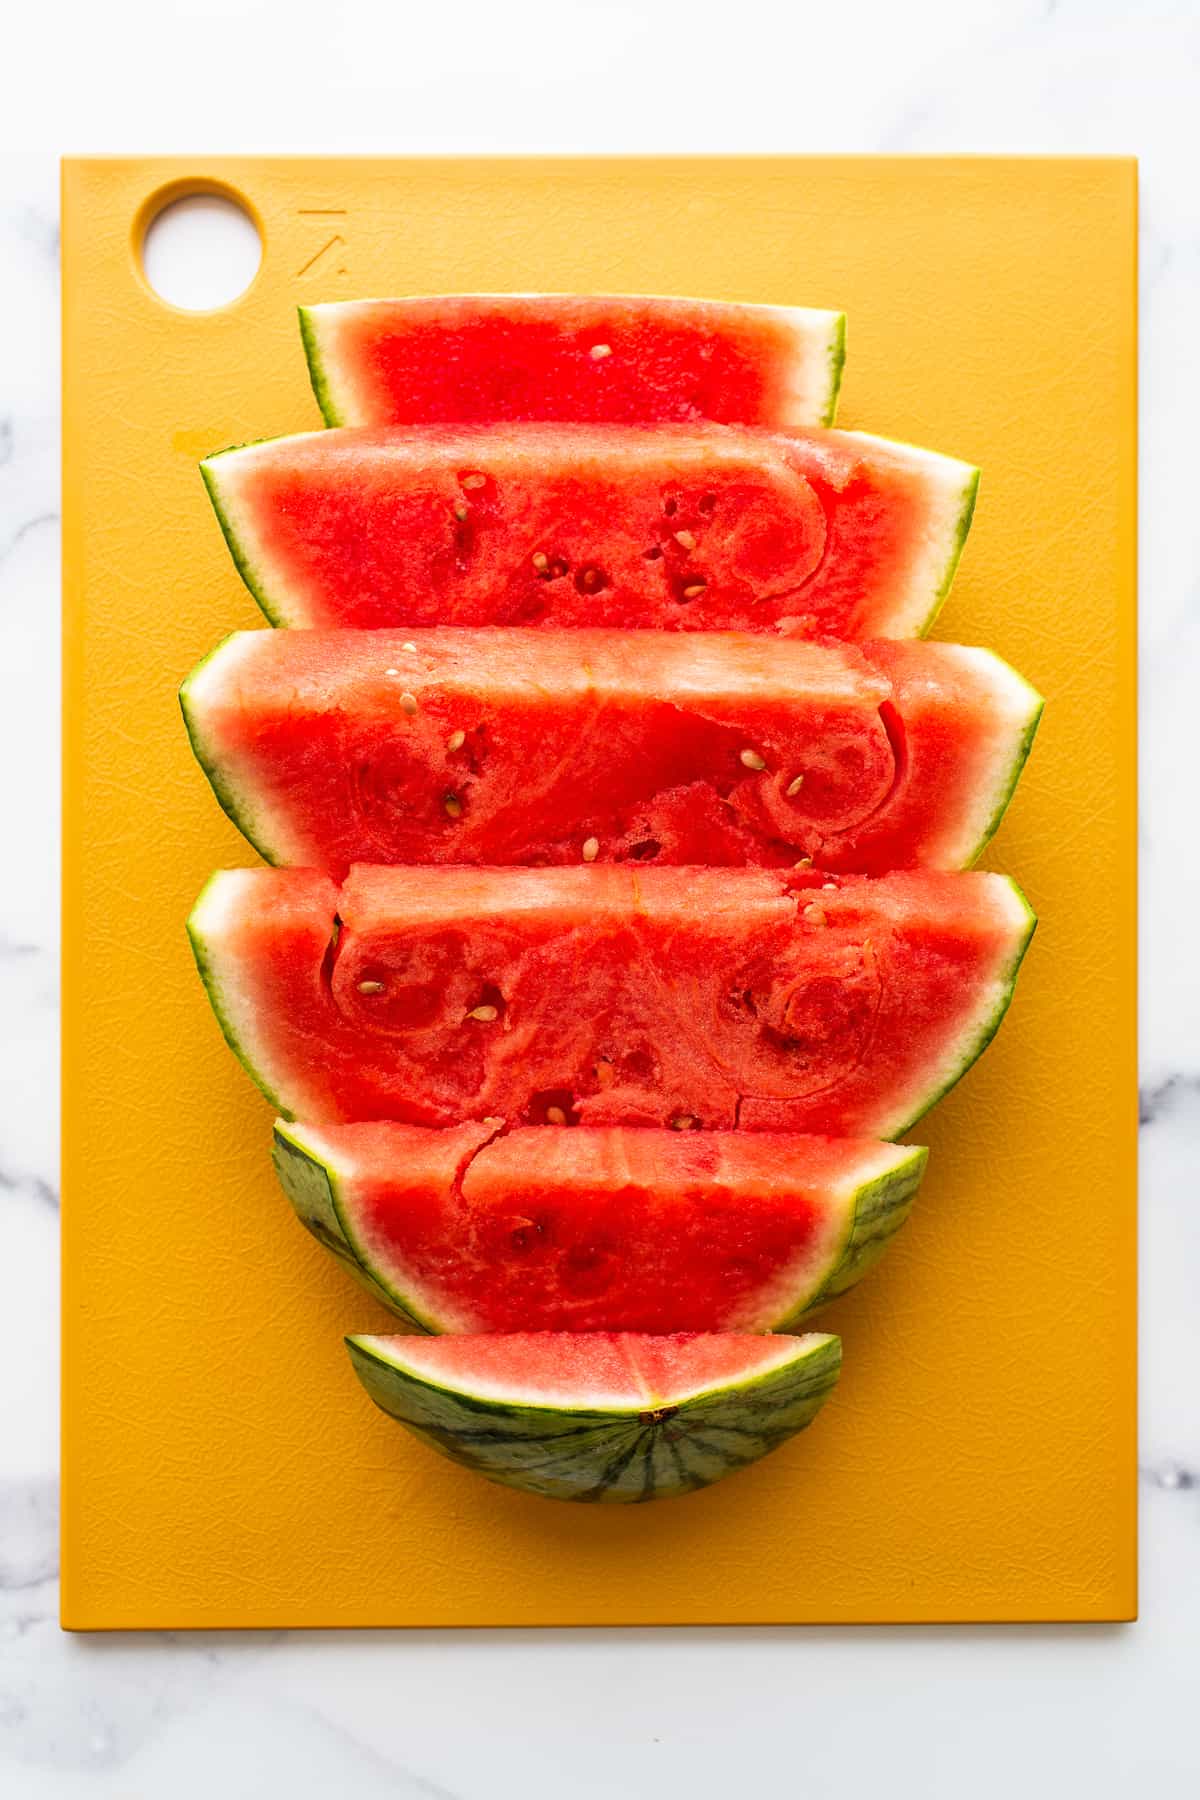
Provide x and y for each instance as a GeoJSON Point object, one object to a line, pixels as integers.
{"type": "Point", "coordinates": [600, 1229]}
{"type": "Point", "coordinates": [608, 1416]}
{"type": "Point", "coordinates": [499, 747]}
{"type": "Point", "coordinates": [610, 995]}
{"type": "Point", "coordinates": [626, 359]}
{"type": "Point", "coordinates": [689, 528]}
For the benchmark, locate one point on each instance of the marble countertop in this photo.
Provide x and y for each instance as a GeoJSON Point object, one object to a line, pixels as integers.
{"type": "Point", "coordinates": [933, 1712]}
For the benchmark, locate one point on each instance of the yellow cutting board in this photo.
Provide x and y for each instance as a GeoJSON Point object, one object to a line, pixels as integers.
{"type": "Point", "coordinates": [221, 1465]}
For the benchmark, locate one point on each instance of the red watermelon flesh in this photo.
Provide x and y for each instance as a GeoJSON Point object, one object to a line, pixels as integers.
{"type": "Point", "coordinates": [500, 746]}
{"type": "Point", "coordinates": [599, 1229]}
{"type": "Point", "coordinates": [690, 528]}
{"type": "Point", "coordinates": [624, 358]}
{"type": "Point", "coordinates": [610, 995]}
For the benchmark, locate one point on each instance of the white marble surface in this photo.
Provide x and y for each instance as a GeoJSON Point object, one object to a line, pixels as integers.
{"type": "Point", "coordinates": [933, 1713]}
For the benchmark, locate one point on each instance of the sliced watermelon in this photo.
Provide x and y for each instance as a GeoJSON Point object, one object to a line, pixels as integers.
{"type": "Point", "coordinates": [610, 995]}
{"type": "Point", "coordinates": [697, 528]}
{"type": "Point", "coordinates": [612, 1416]}
{"type": "Point", "coordinates": [498, 747]}
{"type": "Point", "coordinates": [455, 358]}
{"type": "Point", "coordinates": [600, 1229]}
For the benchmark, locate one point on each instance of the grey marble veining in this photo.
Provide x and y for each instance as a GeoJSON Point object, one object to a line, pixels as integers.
{"type": "Point", "coordinates": [449, 1717]}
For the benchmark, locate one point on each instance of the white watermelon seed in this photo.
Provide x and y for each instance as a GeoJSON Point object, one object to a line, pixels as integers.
{"type": "Point", "coordinates": [460, 510]}
{"type": "Point", "coordinates": [599, 351]}
{"type": "Point", "coordinates": [685, 540]}
{"type": "Point", "coordinates": [540, 560]}
{"type": "Point", "coordinates": [456, 740]}
{"type": "Point", "coordinates": [804, 863]}
{"type": "Point", "coordinates": [814, 915]}
{"type": "Point", "coordinates": [408, 703]}
{"type": "Point", "coordinates": [411, 647]}
{"type": "Point", "coordinates": [484, 1013]}
{"type": "Point", "coordinates": [453, 806]}
{"type": "Point", "coordinates": [689, 593]}
{"type": "Point", "coordinates": [474, 481]}
{"type": "Point", "coordinates": [752, 760]}
{"type": "Point", "coordinates": [555, 1115]}
{"type": "Point", "coordinates": [682, 1122]}
{"type": "Point", "coordinates": [372, 987]}
{"type": "Point", "coordinates": [591, 849]}
{"type": "Point", "coordinates": [795, 786]}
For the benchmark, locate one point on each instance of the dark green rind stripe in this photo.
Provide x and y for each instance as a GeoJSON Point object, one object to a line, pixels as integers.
{"type": "Point", "coordinates": [603, 1455]}
{"type": "Point", "coordinates": [976, 1045]}
{"type": "Point", "coordinates": [970, 495]}
{"type": "Point", "coordinates": [208, 976]}
{"type": "Point", "coordinates": [234, 543]}
{"type": "Point", "coordinates": [312, 1187]}
{"type": "Point", "coordinates": [837, 365]}
{"type": "Point", "coordinates": [880, 1209]}
{"type": "Point", "coordinates": [226, 798]}
{"type": "Point", "coordinates": [322, 392]}
{"type": "Point", "coordinates": [1020, 758]}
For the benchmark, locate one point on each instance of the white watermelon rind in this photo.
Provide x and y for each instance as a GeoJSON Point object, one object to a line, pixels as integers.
{"type": "Point", "coordinates": [874, 1207]}
{"type": "Point", "coordinates": [610, 1454]}
{"type": "Point", "coordinates": [819, 333]}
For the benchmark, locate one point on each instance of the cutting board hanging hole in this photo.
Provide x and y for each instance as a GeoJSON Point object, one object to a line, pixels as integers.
{"type": "Point", "coordinates": [201, 252]}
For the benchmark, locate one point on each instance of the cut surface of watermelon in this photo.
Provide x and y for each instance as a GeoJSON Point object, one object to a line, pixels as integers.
{"type": "Point", "coordinates": [604, 994]}
{"type": "Point", "coordinates": [499, 747]}
{"type": "Point", "coordinates": [688, 528]}
{"type": "Point", "coordinates": [598, 1229]}
{"type": "Point", "coordinates": [600, 1416]}
{"type": "Point", "coordinates": [624, 358]}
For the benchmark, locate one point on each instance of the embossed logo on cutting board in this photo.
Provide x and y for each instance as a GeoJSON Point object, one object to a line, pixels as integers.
{"type": "Point", "coordinates": [326, 227]}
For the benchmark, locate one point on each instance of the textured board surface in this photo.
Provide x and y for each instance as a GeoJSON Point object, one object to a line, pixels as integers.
{"type": "Point", "coordinates": [221, 1466]}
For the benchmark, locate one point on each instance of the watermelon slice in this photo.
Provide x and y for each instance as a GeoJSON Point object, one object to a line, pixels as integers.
{"type": "Point", "coordinates": [610, 995]}
{"type": "Point", "coordinates": [626, 359]}
{"type": "Point", "coordinates": [613, 1416]}
{"type": "Point", "coordinates": [500, 747]}
{"type": "Point", "coordinates": [600, 1229]}
{"type": "Point", "coordinates": [697, 528]}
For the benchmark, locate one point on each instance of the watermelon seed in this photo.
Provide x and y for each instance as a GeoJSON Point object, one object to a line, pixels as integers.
{"type": "Point", "coordinates": [391, 671]}
{"type": "Point", "coordinates": [408, 703]}
{"type": "Point", "coordinates": [411, 647]}
{"type": "Point", "coordinates": [453, 806]}
{"type": "Point", "coordinates": [814, 915]}
{"type": "Point", "coordinates": [591, 849]}
{"type": "Point", "coordinates": [456, 740]}
{"type": "Point", "coordinates": [830, 887]}
{"type": "Point", "coordinates": [540, 560]}
{"type": "Point", "coordinates": [795, 786]}
{"type": "Point", "coordinates": [690, 593]}
{"type": "Point", "coordinates": [686, 540]}
{"type": "Point", "coordinates": [485, 1014]}
{"type": "Point", "coordinates": [474, 481]}
{"type": "Point", "coordinates": [804, 863]}
{"type": "Point", "coordinates": [372, 987]}
{"type": "Point", "coordinates": [590, 580]}
{"type": "Point", "coordinates": [683, 1122]}
{"type": "Point", "coordinates": [752, 760]}
{"type": "Point", "coordinates": [460, 510]}
{"type": "Point", "coordinates": [598, 352]}
{"type": "Point", "coordinates": [555, 1115]}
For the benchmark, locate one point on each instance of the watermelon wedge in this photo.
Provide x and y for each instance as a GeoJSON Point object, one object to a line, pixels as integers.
{"type": "Point", "coordinates": [627, 359]}
{"type": "Point", "coordinates": [500, 747]}
{"type": "Point", "coordinates": [607, 1416]}
{"type": "Point", "coordinates": [600, 1229]}
{"type": "Point", "coordinates": [610, 995]}
{"type": "Point", "coordinates": [691, 528]}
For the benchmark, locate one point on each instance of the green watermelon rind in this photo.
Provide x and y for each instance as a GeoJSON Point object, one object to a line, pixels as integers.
{"type": "Point", "coordinates": [512, 1441]}
{"type": "Point", "coordinates": [875, 1211]}
{"type": "Point", "coordinates": [958, 540]}
{"type": "Point", "coordinates": [835, 357]}
{"type": "Point", "coordinates": [1008, 785]}
{"type": "Point", "coordinates": [234, 808]}
{"type": "Point", "coordinates": [316, 368]}
{"type": "Point", "coordinates": [233, 542]}
{"type": "Point", "coordinates": [212, 985]}
{"type": "Point", "coordinates": [976, 1041]}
